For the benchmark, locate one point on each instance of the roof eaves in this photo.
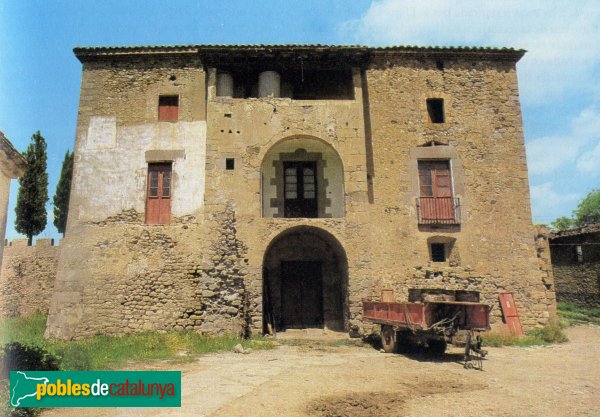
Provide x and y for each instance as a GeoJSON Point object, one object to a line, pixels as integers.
{"type": "Point", "coordinates": [19, 164]}
{"type": "Point", "coordinates": [492, 52]}
{"type": "Point", "coordinates": [590, 228]}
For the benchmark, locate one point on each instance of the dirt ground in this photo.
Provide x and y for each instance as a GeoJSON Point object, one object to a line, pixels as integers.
{"type": "Point", "coordinates": [321, 380]}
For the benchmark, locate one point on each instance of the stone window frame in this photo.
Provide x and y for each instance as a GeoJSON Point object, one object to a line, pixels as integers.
{"type": "Point", "coordinates": [300, 155]}
{"type": "Point", "coordinates": [440, 152]}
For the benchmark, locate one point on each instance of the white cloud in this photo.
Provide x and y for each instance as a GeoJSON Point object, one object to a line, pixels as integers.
{"type": "Point", "coordinates": [546, 154]}
{"type": "Point", "coordinates": [562, 36]}
{"type": "Point", "coordinates": [579, 146]}
{"type": "Point", "coordinates": [589, 162]}
{"type": "Point", "coordinates": [545, 200]}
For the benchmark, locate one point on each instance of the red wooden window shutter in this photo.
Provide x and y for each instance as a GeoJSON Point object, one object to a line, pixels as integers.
{"type": "Point", "coordinates": [158, 197]}
{"type": "Point", "coordinates": [168, 108]}
{"type": "Point", "coordinates": [435, 187]}
{"type": "Point", "coordinates": [434, 179]}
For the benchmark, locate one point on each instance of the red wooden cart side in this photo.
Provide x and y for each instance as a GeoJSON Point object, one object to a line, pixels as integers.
{"type": "Point", "coordinates": [423, 316]}
{"type": "Point", "coordinates": [511, 315]}
{"type": "Point", "coordinates": [432, 324]}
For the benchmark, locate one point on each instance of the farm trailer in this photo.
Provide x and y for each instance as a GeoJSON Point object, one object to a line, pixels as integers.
{"type": "Point", "coordinates": [432, 323]}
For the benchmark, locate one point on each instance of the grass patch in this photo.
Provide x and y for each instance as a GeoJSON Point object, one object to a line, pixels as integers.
{"type": "Point", "coordinates": [111, 352]}
{"type": "Point", "coordinates": [550, 333]}
{"type": "Point", "coordinates": [573, 314]}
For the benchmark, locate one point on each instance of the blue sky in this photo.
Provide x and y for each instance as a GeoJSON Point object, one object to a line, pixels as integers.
{"type": "Point", "coordinates": [559, 78]}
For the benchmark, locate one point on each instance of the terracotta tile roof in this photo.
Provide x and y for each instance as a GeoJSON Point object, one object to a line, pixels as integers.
{"type": "Point", "coordinates": [590, 228]}
{"type": "Point", "coordinates": [507, 53]}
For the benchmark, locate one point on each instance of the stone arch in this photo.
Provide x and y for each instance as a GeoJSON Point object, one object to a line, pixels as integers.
{"type": "Point", "coordinates": [330, 200]}
{"type": "Point", "coordinates": [305, 281]}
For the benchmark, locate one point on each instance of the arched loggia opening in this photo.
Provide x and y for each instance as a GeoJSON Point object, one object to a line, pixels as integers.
{"type": "Point", "coordinates": [302, 177]}
{"type": "Point", "coordinates": [305, 281]}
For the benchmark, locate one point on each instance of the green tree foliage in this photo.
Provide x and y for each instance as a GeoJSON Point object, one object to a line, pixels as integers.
{"type": "Point", "coordinates": [33, 190]}
{"type": "Point", "coordinates": [587, 212]}
{"type": "Point", "coordinates": [588, 209]}
{"type": "Point", "coordinates": [562, 223]}
{"type": "Point", "coordinates": [61, 197]}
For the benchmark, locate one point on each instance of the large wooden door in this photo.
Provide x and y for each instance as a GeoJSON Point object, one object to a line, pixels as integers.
{"type": "Point", "coordinates": [301, 294]}
{"type": "Point", "coordinates": [158, 201]}
{"type": "Point", "coordinates": [435, 184]}
{"type": "Point", "coordinates": [300, 189]}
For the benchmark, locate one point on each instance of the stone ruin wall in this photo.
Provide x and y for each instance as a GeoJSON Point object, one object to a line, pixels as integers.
{"type": "Point", "coordinates": [27, 277]}
{"type": "Point", "coordinates": [135, 277]}
{"type": "Point", "coordinates": [577, 281]}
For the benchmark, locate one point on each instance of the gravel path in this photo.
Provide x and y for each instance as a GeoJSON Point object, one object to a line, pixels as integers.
{"type": "Point", "coordinates": [327, 381]}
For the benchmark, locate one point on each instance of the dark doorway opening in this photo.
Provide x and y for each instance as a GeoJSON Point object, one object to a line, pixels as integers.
{"type": "Point", "coordinates": [301, 294]}
{"type": "Point", "coordinates": [305, 281]}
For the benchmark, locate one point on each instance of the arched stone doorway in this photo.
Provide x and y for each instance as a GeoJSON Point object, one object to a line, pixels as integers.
{"type": "Point", "coordinates": [305, 281]}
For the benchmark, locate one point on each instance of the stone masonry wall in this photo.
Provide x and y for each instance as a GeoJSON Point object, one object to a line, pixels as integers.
{"type": "Point", "coordinates": [578, 284]}
{"type": "Point", "coordinates": [577, 277]}
{"type": "Point", "coordinates": [138, 277]}
{"type": "Point", "coordinates": [494, 246]}
{"type": "Point", "coordinates": [27, 277]}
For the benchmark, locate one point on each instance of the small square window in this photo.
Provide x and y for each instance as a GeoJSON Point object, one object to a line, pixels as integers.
{"type": "Point", "coordinates": [168, 108]}
{"type": "Point", "coordinates": [438, 252]}
{"type": "Point", "coordinates": [435, 110]}
{"type": "Point", "coordinates": [229, 163]}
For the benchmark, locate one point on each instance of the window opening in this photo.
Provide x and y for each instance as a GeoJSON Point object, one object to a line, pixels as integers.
{"type": "Point", "coordinates": [435, 110]}
{"type": "Point", "coordinates": [168, 108]}
{"type": "Point", "coordinates": [438, 252]}
{"type": "Point", "coordinates": [579, 253]}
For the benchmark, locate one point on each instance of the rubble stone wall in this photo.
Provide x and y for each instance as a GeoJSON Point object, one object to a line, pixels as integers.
{"type": "Point", "coordinates": [577, 276]}
{"type": "Point", "coordinates": [27, 277]}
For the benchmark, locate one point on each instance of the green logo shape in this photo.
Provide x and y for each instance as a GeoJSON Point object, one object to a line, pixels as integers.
{"type": "Point", "coordinates": [95, 389]}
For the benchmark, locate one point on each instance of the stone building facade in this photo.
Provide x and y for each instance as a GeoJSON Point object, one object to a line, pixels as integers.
{"type": "Point", "coordinates": [576, 264]}
{"type": "Point", "coordinates": [238, 188]}
{"type": "Point", "coordinates": [12, 166]}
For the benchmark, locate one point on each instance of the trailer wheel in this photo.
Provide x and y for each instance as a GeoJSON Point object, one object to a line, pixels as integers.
{"type": "Point", "coordinates": [388, 339]}
{"type": "Point", "coordinates": [437, 347]}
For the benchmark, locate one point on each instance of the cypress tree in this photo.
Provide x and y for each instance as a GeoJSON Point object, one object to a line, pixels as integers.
{"type": "Point", "coordinates": [33, 190]}
{"type": "Point", "coordinates": [61, 197]}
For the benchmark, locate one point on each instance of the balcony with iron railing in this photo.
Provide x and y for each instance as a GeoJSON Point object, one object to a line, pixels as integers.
{"type": "Point", "coordinates": [438, 210]}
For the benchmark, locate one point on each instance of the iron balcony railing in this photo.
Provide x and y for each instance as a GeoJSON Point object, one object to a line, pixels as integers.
{"type": "Point", "coordinates": [438, 210]}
